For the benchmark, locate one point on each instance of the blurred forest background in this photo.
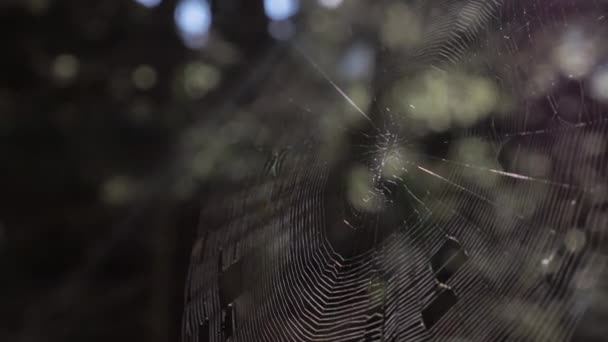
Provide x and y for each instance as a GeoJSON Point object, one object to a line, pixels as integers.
{"type": "Point", "coordinates": [96, 101]}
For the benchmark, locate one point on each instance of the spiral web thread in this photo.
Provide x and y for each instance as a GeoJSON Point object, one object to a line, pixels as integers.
{"type": "Point", "coordinates": [502, 243]}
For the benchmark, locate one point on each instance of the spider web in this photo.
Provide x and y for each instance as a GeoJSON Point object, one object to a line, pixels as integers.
{"type": "Point", "coordinates": [466, 200]}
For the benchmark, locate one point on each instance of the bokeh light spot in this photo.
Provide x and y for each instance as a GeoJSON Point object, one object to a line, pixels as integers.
{"type": "Point", "coordinates": [330, 3]}
{"type": "Point", "coordinates": [149, 3]}
{"type": "Point", "coordinates": [278, 10]}
{"type": "Point", "coordinates": [65, 67]}
{"type": "Point", "coordinates": [576, 53]}
{"type": "Point", "coordinates": [357, 62]}
{"type": "Point", "coordinates": [117, 190]}
{"type": "Point", "coordinates": [199, 79]}
{"type": "Point", "coordinates": [193, 19]}
{"type": "Point", "coordinates": [599, 84]}
{"type": "Point", "coordinates": [144, 77]}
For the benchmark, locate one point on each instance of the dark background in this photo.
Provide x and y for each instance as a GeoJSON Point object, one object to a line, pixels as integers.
{"type": "Point", "coordinates": [94, 244]}
{"type": "Point", "coordinates": [75, 264]}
